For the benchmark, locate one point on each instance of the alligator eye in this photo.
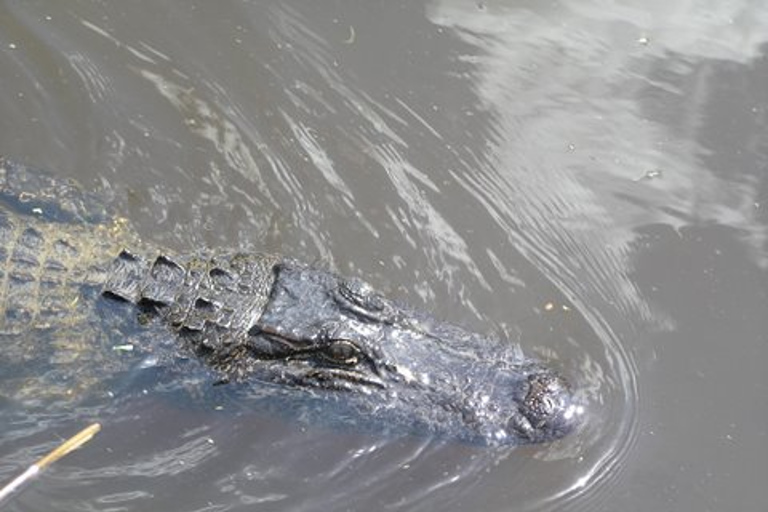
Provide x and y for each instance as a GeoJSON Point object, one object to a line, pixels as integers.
{"type": "Point", "coordinates": [343, 352]}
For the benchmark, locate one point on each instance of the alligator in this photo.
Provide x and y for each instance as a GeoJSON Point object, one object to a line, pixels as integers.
{"type": "Point", "coordinates": [71, 272]}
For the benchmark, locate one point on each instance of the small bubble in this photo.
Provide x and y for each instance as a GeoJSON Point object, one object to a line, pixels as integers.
{"type": "Point", "coordinates": [655, 173]}
{"type": "Point", "coordinates": [651, 174]}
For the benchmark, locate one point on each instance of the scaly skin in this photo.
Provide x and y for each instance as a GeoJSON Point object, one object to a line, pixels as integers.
{"type": "Point", "coordinates": [51, 271]}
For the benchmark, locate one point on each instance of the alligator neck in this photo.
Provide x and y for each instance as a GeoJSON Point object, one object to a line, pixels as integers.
{"type": "Point", "coordinates": [209, 301]}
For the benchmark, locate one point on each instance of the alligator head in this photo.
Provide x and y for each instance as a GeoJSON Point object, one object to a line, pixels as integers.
{"type": "Point", "coordinates": [322, 331]}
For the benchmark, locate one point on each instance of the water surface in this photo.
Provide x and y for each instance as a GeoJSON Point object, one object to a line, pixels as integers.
{"type": "Point", "coordinates": [585, 179]}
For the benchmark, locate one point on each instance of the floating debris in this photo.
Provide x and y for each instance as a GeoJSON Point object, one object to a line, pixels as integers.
{"type": "Point", "coordinates": [352, 36]}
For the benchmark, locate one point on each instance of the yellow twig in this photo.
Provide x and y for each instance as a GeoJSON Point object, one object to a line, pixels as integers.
{"type": "Point", "coordinates": [73, 443]}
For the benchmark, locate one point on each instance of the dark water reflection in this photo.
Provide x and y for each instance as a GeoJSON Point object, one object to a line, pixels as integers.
{"type": "Point", "coordinates": [587, 181]}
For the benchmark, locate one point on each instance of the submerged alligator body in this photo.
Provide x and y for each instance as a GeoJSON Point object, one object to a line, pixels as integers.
{"type": "Point", "coordinates": [69, 272]}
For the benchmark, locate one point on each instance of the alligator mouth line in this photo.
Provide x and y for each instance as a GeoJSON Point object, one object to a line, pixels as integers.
{"type": "Point", "coordinates": [341, 379]}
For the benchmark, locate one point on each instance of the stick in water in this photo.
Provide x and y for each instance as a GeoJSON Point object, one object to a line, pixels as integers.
{"type": "Point", "coordinates": [73, 443]}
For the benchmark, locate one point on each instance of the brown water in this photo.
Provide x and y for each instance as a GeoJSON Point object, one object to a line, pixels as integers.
{"type": "Point", "coordinates": [585, 178]}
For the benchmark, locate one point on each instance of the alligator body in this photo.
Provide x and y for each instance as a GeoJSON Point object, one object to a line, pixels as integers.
{"type": "Point", "coordinates": [70, 273]}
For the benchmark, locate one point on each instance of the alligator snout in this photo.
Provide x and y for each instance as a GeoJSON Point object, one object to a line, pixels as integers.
{"type": "Point", "coordinates": [547, 408]}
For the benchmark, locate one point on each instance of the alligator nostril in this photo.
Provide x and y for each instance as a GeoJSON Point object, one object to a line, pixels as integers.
{"type": "Point", "coordinates": [547, 405]}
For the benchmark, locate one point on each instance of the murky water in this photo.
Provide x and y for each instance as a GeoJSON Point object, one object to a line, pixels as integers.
{"type": "Point", "coordinates": [586, 179]}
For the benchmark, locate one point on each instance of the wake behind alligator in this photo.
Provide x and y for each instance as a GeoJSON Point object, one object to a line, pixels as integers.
{"type": "Point", "coordinates": [250, 318]}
